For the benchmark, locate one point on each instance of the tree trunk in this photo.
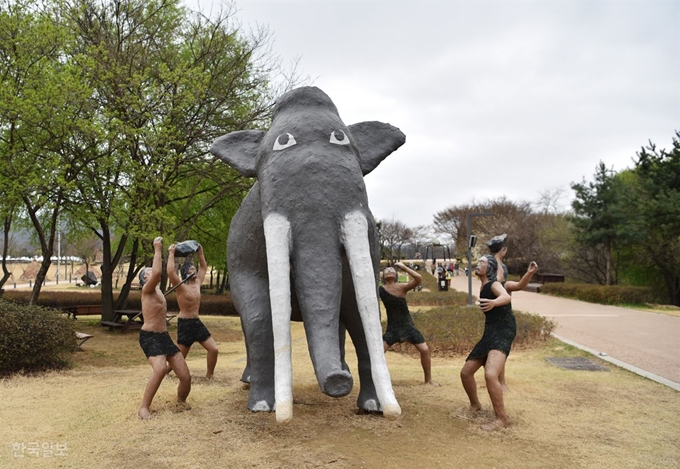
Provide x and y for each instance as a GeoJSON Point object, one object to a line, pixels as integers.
{"type": "Point", "coordinates": [40, 278]}
{"type": "Point", "coordinates": [608, 260]}
{"type": "Point", "coordinates": [109, 263]}
{"type": "Point", "coordinates": [5, 248]}
{"type": "Point", "coordinates": [131, 274]}
{"type": "Point", "coordinates": [225, 281]}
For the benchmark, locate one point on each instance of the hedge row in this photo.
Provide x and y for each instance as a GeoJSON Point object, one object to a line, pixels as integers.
{"type": "Point", "coordinates": [34, 338]}
{"type": "Point", "coordinates": [434, 297]}
{"type": "Point", "coordinates": [216, 305]}
{"type": "Point", "coordinates": [456, 329]}
{"type": "Point", "coordinates": [601, 294]}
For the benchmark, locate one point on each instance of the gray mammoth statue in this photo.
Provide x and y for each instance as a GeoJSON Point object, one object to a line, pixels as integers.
{"type": "Point", "coordinates": [304, 245]}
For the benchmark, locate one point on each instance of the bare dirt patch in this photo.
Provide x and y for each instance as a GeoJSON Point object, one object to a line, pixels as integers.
{"type": "Point", "coordinates": [563, 419]}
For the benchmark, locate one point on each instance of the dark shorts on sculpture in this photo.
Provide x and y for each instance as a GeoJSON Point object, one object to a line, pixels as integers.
{"type": "Point", "coordinates": [157, 343]}
{"type": "Point", "coordinates": [499, 333]}
{"type": "Point", "coordinates": [190, 330]}
{"type": "Point", "coordinates": [404, 333]}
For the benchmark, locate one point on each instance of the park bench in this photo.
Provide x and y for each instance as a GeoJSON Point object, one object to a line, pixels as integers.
{"type": "Point", "coordinates": [114, 325]}
{"type": "Point", "coordinates": [550, 278]}
{"type": "Point", "coordinates": [134, 320]}
{"type": "Point", "coordinates": [82, 338]}
{"type": "Point", "coordinates": [533, 287]}
{"type": "Point", "coordinates": [82, 310]}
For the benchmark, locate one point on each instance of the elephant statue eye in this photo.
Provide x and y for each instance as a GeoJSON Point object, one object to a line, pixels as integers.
{"type": "Point", "coordinates": [338, 137]}
{"type": "Point", "coordinates": [284, 141]}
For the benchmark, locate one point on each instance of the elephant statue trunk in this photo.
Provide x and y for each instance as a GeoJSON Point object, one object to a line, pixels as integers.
{"type": "Point", "coordinates": [301, 231]}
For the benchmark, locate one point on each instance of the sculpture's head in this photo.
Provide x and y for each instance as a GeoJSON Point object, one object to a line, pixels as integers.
{"type": "Point", "coordinates": [309, 163]}
{"type": "Point", "coordinates": [487, 267]}
{"type": "Point", "coordinates": [187, 270]}
{"type": "Point", "coordinates": [144, 275]}
{"type": "Point", "coordinates": [497, 243]}
{"type": "Point", "coordinates": [389, 273]}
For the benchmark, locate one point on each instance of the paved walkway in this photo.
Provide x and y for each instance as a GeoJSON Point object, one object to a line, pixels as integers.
{"type": "Point", "coordinates": [648, 341]}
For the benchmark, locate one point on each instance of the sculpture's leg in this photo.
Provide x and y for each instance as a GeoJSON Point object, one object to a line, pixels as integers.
{"type": "Point", "coordinates": [355, 239]}
{"type": "Point", "coordinates": [368, 399]}
{"type": "Point", "coordinates": [252, 294]}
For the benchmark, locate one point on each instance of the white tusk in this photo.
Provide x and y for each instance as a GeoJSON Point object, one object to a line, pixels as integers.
{"type": "Point", "coordinates": [355, 239]}
{"type": "Point", "coordinates": [278, 242]}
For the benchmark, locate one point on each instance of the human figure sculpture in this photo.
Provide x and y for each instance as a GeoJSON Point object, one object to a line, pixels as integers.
{"type": "Point", "coordinates": [492, 350]}
{"type": "Point", "coordinates": [154, 338]}
{"type": "Point", "coordinates": [497, 247]}
{"type": "Point", "coordinates": [400, 326]}
{"type": "Point", "coordinates": [190, 328]}
{"type": "Point", "coordinates": [304, 245]}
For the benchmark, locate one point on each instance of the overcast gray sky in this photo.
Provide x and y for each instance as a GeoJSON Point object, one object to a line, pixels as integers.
{"type": "Point", "coordinates": [495, 97]}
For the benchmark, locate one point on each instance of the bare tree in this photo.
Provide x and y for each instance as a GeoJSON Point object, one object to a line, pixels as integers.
{"type": "Point", "coordinates": [452, 221]}
{"type": "Point", "coordinates": [87, 250]}
{"type": "Point", "coordinates": [420, 236]}
{"type": "Point", "coordinates": [393, 235]}
{"type": "Point", "coordinates": [550, 200]}
{"type": "Point", "coordinates": [521, 223]}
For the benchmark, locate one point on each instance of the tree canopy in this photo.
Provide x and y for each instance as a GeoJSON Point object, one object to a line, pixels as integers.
{"type": "Point", "coordinates": [107, 111]}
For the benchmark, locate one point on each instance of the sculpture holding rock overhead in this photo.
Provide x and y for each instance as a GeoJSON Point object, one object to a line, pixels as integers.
{"type": "Point", "coordinates": [305, 224]}
{"type": "Point", "coordinates": [186, 248]}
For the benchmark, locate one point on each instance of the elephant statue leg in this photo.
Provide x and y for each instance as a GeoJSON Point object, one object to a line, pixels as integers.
{"type": "Point", "coordinates": [355, 236]}
{"type": "Point", "coordinates": [249, 282]}
{"type": "Point", "coordinates": [368, 398]}
{"type": "Point", "coordinates": [256, 321]}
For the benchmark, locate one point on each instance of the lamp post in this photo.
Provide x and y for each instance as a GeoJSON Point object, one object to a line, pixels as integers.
{"type": "Point", "coordinates": [469, 218]}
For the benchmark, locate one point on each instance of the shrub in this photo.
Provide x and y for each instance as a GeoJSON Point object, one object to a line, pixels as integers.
{"type": "Point", "coordinates": [34, 338]}
{"type": "Point", "coordinates": [434, 297]}
{"type": "Point", "coordinates": [219, 305]}
{"type": "Point", "coordinates": [602, 294]}
{"type": "Point", "coordinates": [456, 329]}
{"type": "Point", "coordinates": [56, 299]}
{"type": "Point", "coordinates": [437, 298]}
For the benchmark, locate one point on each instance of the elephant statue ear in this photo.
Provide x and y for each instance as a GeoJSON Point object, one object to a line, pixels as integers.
{"type": "Point", "coordinates": [239, 150]}
{"type": "Point", "coordinates": [375, 141]}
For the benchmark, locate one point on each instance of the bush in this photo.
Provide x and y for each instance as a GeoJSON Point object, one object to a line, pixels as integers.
{"type": "Point", "coordinates": [56, 299]}
{"type": "Point", "coordinates": [456, 329]}
{"type": "Point", "coordinates": [434, 297]}
{"type": "Point", "coordinates": [602, 294]}
{"type": "Point", "coordinates": [217, 305]}
{"type": "Point", "coordinates": [437, 298]}
{"type": "Point", "coordinates": [34, 338]}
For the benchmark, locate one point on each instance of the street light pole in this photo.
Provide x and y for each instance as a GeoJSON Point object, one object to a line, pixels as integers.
{"type": "Point", "coordinates": [469, 218]}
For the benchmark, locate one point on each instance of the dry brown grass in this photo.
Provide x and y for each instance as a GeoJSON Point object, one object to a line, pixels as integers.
{"type": "Point", "coordinates": [563, 419]}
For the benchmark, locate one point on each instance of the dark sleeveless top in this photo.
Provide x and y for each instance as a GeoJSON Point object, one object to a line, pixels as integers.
{"type": "Point", "coordinates": [400, 327]}
{"type": "Point", "coordinates": [499, 328]}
